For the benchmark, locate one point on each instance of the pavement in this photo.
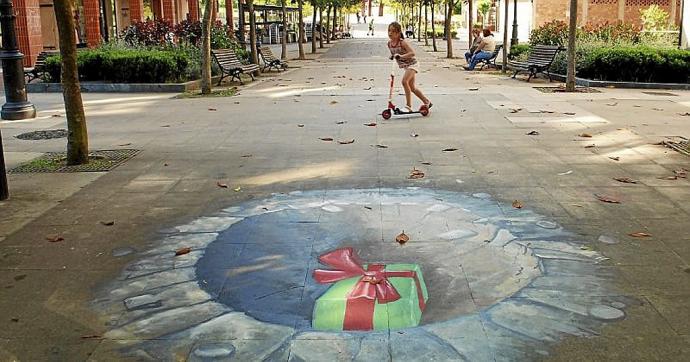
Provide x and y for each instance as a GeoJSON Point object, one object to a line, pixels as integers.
{"type": "Point", "coordinates": [520, 258]}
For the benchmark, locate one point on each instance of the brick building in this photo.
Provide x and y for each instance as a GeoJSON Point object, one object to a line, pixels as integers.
{"type": "Point", "coordinates": [599, 11]}
{"type": "Point", "coordinates": [96, 20]}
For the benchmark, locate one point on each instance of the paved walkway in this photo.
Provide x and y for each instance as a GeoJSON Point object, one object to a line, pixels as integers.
{"type": "Point", "coordinates": [559, 278]}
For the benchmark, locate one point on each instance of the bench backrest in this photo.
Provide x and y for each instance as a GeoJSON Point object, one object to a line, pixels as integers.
{"type": "Point", "coordinates": [226, 58]}
{"type": "Point", "coordinates": [267, 54]}
{"type": "Point", "coordinates": [542, 55]}
{"type": "Point", "coordinates": [497, 50]}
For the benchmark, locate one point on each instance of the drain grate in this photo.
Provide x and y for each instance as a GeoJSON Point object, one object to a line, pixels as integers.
{"type": "Point", "coordinates": [680, 144]}
{"type": "Point", "coordinates": [43, 135]}
{"type": "Point", "coordinates": [562, 90]}
{"type": "Point", "coordinates": [99, 161]}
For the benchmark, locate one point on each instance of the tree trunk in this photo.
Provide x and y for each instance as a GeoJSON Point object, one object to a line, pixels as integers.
{"type": "Point", "coordinates": [335, 22]}
{"type": "Point", "coordinates": [449, 36]}
{"type": "Point", "coordinates": [214, 11]}
{"type": "Point", "coordinates": [300, 31]}
{"type": "Point", "coordinates": [320, 27]}
{"type": "Point", "coordinates": [77, 136]}
{"type": "Point", "coordinates": [419, 22]}
{"type": "Point", "coordinates": [229, 19]}
{"type": "Point", "coordinates": [426, 24]}
{"type": "Point", "coordinates": [572, 31]}
{"type": "Point", "coordinates": [252, 33]}
{"type": "Point", "coordinates": [313, 30]}
{"type": "Point", "coordinates": [283, 37]}
{"type": "Point", "coordinates": [206, 49]}
{"type": "Point", "coordinates": [433, 27]}
{"type": "Point", "coordinates": [470, 21]}
{"type": "Point", "coordinates": [505, 38]}
{"type": "Point", "coordinates": [328, 24]}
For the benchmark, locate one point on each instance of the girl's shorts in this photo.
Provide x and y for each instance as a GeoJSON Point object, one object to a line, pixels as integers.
{"type": "Point", "coordinates": [414, 67]}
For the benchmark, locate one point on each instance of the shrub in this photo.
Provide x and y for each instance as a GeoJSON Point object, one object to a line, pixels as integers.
{"type": "Point", "coordinates": [519, 51]}
{"type": "Point", "coordinates": [654, 18]}
{"type": "Point", "coordinates": [619, 33]}
{"type": "Point", "coordinates": [149, 33]}
{"type": "Point", "coordinates": [126, 65]}
{"type": "Point", "coordinates": [554, 32]}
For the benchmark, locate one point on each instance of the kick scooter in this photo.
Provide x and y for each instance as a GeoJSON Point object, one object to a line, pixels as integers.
{"type": "Point", "coordinates": [393, 110]}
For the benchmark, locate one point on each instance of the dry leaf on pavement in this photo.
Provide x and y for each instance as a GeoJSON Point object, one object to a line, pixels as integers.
{"type": "Point", "coordinates": [91, 336]}
{"type": "Point", "coordinates": [326, 139]}
{"type": "Point", "coordinates": [609, 199]}
{"type": "Point", "coordinates": [402, 238]}
{"type": "Point", "coordinates": [340, 122]}
{"type": "Point", "coordinates": [612, 104]}
{"type": "Point", "coordinates": [379, 146]}
{"type": "Point", "coordinates": [212, 109]}
{"type": "Point", "coordinates": [372, 124]}
{"type": "Point", "coordinates": [533, 133]}
{"type": "Point", "coordinates": [416, 174]}
{"type": "Point", "coordinates": [569, 113]}
{"type": "Point", "coordinates": [108, 223]}
{"type": "Point", "coordinates": [247, 155]}
{"type": "Point", "coordinates": [615, 158]}
{"type": "Point", "coordinates": [221, 185]}
{"type": "Point", "coordinates": [183, 251]}
{"type": "Point", "coordinates": [300, 125]}
{"type": "Point", "coordinates": [54, 238]}
{"type": "Point", "coordinates": [237, 189]}
{"type": "Point", "coordinates": [449, 149]}
{"type": "Point", "coordinates": [413, 135]}
{"type": "Point", "coordinates": [668, 177]}
{"type": "Point", "coordinates": [565, 173]}
{"type": "Point", "coordinates": [640, 234]}
{"type": "Point", "coordinates": [626, 180]}
{"type": "Point", "coordinates": [591, 146]}
{"type": "Point", "coordinates": [517, 204]}
{"type": "Point", "coordinates": [681, 173]}
{"type": "Point", "coordinates": [473, 89]}
{"type": "Point", "coordinates": [347, 142]}
{"type": "Point", "coordinates": [515, 110]}
{"type": "Point", "coordinates": [334, 102]}
{"type": "Point", "coordinates": [585, 135]}
{"type": "Point", "coordinates": [426, 163]}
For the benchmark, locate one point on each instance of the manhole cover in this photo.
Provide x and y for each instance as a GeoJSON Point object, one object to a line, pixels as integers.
{"type": "Point", "coordinates": [99, 161]}
{"type": "Point", "coordinates": [43, 135]}
{"type": "Point", "coordinates": [666, 94]}
{"type": "Point", "coordinates": [562, 89]}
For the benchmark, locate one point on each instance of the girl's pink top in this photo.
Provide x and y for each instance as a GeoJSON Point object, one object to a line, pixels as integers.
{"type": "Point", "coordinates": [398, 49]}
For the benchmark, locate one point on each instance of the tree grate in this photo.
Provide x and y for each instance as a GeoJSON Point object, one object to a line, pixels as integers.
{"type": "Point", "coordinates": [43, 135]}
{"type": "Point", "coordinates": [562, 90]}
{"type": "Point", "coordinates": [55, 162]}
{"type": "Point", "coordinates": [680, 144]}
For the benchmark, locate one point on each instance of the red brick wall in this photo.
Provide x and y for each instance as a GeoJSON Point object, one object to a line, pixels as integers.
{"type": "Point", "coordinates": [136, 10]}
{"type": "Point", "coordinates": [548, 10]}
{"type": "Point", "coordinates": [169, 10]}
{"type": "Point", "coordinates": [193, 10]}
{"type": "Point", "coordinates": [28, 26]}
{"type": "Point", "coordinates": [598, 11]}
{"type": "Point", "coordinates": [602, 11]}
{"type": "Point", "coordinates": [91, 16]}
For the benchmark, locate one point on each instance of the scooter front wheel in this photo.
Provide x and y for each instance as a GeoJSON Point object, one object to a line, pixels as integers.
{"type": "Point", "coordinates": [386, 114]}
{"type": "Point", "coordinates": [424, 110]}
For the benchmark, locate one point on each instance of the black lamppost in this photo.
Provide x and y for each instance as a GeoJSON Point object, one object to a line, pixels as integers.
{"type": "Point", "coordinates": [16, 106]}
{"type": "Point", "coordinates": [514, 39]}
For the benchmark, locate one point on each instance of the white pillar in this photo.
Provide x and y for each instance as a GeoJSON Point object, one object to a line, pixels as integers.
{"type": "Point", "coordinates": [685, 36]}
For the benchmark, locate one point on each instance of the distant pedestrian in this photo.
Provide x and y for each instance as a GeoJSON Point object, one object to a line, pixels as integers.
{"type": "Point", "coordinates": [365, 18]}
{"type": "Point", "coordinates": [371, 27]}
{"type": "Point", "coordinates": [358, 17]}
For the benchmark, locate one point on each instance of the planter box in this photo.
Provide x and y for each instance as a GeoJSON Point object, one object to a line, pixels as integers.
{"type": "Point", "coordinates": [93, 87]}
{"type": "Point", "coordinates": [632, 85]}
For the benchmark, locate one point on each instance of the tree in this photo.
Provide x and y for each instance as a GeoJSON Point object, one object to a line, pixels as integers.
{"type": "Point", "coordinates": [328, 24]}
{"type": "Point", "coordinates": [313, 27]}
{"type": "Point", "coordinates": [449, 35]}
{"type": "Point", "coordinates": [320, 26]}
{"type": "Point", "coordinates": [470, 20]}
{"type": "Point", "coordinates": [77, 136]}
{"type": "Point", "coordinates": [419, 22]}
{"type": "Point", "coordinates": [252, 32]}
{"type": "Point", "coordinates": [206, 48]}
{"type": "Point", "coordinates": [483, 6]}
{"type": "Point", "coordinates": [300, 32]}
{"type": "Point", "coordinates": [426, 22]}
{"type": "Point", "coordinates": [433, 26]}
{"type": "Point", "coordinates": [505, 38]}
{"type": "Point", "coordinates": [572, 32]}
{"type": "Point", "coordinates": [283, 37]}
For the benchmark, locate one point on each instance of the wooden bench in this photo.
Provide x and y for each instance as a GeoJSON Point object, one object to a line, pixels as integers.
{"type": "Point", "coordinates": [270, 61]}
{"type": "Point", "coordinates": [230, 65]}
{"type": "Point", "coordinates": [39, 68]}
{"type": "Point", "coordinates": [539, 61]}
{"type": "Point", "coordinates": [491, 62]}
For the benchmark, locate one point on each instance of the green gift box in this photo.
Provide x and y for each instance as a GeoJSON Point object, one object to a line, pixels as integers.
{"type": "Point", "coordinates": [368, 297]}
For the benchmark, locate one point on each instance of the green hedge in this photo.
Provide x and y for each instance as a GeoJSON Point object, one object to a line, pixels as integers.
{"type": "Point", "coordinates": [629, 64]}
{"type": "Point", "coordinates": [126, 65]}
{"type": "Point", "coordinates": [519, 51]}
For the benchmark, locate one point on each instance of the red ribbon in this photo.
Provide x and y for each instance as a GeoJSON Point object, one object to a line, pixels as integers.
{"type": "Point", "coordinates": [372, 286]}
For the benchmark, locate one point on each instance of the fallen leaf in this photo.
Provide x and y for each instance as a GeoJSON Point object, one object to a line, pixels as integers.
{"type": "Point", "coordinates": [183, 251]}
{"type": "Point", "coordinates": [591, 146]}
{"type": "Point", "coordinates": [108, 223]}
{"type": "Point", "coordinates": [125, 144]}
{"type": "Point", "coordinates": [347, 142]}
{"type": "Point", "coordinates": [615, 158]}
{"type": "Point", "coordinates": [545, 111]}
{"type": "Point", "coordinates": [515, 110]}
{"type": "Point", "coordinates": [473, 89]}
{"type": "Point", "coordinates": [612, 104]}
{"type": "Point", "coordinates": [221, 185]}
{"type": "Point", "coordinates": [640, 234]}
{"type": "Point", "coordinates": [517, 204]}
{"type": "Point", "coordinates": [402, 238]}
{"type": "Point", "coordinates": [368, 208]}
{"type": "Point", "coordinates": [637, 106]}
{"type": "Point", "coordinates": [367, 88]}
{"type": "Point", "coordinates": [682, 173]}
{"type": "Point", "coordinates": [372, 124]}
{"type": "Point", "coordinates": [667, 177]}
{"type": "Point", "coordinates": [533, 133]}
{"type": "Point", "coordinates": [565, 173]}
{"type": "Point", "coordinates": [569, 113]}
{"type": "Point", "coordinates": [380, 146]}
{"type": "Point", "coordinates": [326, 139]}
{"type": "Point", "coordinates": [686, 114]}
{"type": "Point", "coordinates": [165, 126]}
{"type": "Point", "coordinates": [449, 150]}
{"type": "Point", "coordinates": [413, 135]}
{"type": "Point", "coordinates": [340, 122]}
{"type": "Point", "coordinates": [212, 109]}
{"type": "Point", "coordinates": [56, 115]}
{"type": "Point", "coordinates": [625, 180]}
{"type": "Point", "coordinates": [426, 163]}
{"type": "Point", "coordinates": [334, 102]}
{"type": "Point", "coordinates": [609, 199]}
{"type": "Point", "coordinates": [54, 238]}
{"type": "Point", "coordinates": [237, 189]}
{"type": "Point", "coordinates": [165, 165]}
{"type": "Point", "coordinates": [658, 109]}
{"type": "Point", "coordinates": [416, 174]}
{"type": "Point", "coordinates": [300, 125]}
{"type": "Point", "coordinates": [585, 135]}
{"type": "Point", "coordinates": [247, 155]}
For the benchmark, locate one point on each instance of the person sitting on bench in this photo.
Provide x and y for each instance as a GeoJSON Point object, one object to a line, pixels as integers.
{"type": "Point", "coordinates": [477, 38]}
{"type": "Point", "coordinates": [484, 50]}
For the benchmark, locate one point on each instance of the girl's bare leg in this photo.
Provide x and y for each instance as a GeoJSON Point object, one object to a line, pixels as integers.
{"type": "Point", "coordinates": [413, 88]}
{"type": "Point", "coordinates": [408, 89]}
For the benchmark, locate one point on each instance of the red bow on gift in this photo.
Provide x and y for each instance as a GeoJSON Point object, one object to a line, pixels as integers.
{"type": "Point", "coordinates": [373, 286]}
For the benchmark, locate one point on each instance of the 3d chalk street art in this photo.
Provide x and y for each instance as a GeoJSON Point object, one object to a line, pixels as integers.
{"type": "Point", "coordinates": [308, 275]}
